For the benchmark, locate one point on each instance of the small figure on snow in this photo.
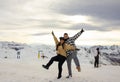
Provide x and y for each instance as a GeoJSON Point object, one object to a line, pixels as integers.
{"type": "Point", "coordinates": [43, 56]}
{"type": "Point", "coordinates": [96, 63]}
{"type": "Point", "coordinates": [18, 54]}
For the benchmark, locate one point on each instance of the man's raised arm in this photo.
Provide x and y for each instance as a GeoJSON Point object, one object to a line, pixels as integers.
{"type": "Point", "coordinates": [77, 35]}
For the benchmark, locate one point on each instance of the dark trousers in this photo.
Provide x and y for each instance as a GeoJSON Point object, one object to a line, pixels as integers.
{"type": "Point", "coordinates": [60, 59]}
{"type": "Point", "coordinates": [96, 63]}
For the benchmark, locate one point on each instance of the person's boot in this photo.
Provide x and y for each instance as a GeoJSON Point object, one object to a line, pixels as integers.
{"type": "Point", "coordinates": [78, 68]}
{"type": "Point", "coordinates": [69, 76]}
{"type": "Point", "coordinates": [44, 66]}
{"type": "Point", "coordinates": [97, 66]}
{"type": "Point", "coordinates": [59, 76]}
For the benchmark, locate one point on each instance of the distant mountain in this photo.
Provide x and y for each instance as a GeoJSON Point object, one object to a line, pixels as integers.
{"type": "Point", "coordinates": [9, 50]}
{"type": "Point", "coordinates": [109, 54]}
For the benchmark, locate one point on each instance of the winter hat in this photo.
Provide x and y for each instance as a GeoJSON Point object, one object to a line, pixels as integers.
{"type": "Point", "coordinates": [65, 33]}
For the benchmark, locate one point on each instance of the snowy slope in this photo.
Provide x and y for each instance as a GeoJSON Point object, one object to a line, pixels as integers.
{"type": "Point", "coordinates": [32, 71]}
{"type": "Point", "coordinates": [29, 68]}
{"type": "Point", "coordinates": [8, 50]}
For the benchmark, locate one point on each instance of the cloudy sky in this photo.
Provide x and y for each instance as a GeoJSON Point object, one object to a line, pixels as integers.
{"type": "Point", "coordinates": [31, 21]}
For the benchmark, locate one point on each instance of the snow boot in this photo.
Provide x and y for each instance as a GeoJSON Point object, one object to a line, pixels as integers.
{"type": "Point", "coordinates": [59, 77]}
{"type": "Point", "coordinates": [69, 76]}
{"type": "Point", "coordinates": [78, 68]}
{"type": "Point", "coordinates": [44, 66]}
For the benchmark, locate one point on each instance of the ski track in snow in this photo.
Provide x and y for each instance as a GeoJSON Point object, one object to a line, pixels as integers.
{"type": "Point", "coordinates": [32, 71]}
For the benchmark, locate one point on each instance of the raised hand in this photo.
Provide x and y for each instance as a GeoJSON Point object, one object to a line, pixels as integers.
{"type": "Point", "coordinates": [82, 30]}
{"type": "Point", "coordinates": [52, 33]}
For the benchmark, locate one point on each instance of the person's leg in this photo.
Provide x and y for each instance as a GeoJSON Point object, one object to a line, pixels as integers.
{"type": "Point", "coordinates": [97, 61]}
{"type": "Point", "coordinates": [61, 61]}
{"type": "Point", "coordinates": [69, 59]}
{"type": "Point", "coordinates": [95, 64]}
{"type": "Point", "coordinates": [55, 58]}
{"type": "Point", "coordinates": [76, 61]}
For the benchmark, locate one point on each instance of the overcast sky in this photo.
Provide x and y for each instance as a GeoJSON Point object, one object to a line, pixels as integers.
{"type": "Point", "coordinates": [31, 21]}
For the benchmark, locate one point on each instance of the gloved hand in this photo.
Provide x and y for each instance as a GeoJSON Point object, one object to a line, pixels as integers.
{"type": "Point", "coordinates": [52, 33]}
{"type": "Point", "coordinates": [82, 30]}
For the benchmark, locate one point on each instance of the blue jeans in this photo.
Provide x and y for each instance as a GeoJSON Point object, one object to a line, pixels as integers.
{"type": "Point", "coordinates": [73, 56]}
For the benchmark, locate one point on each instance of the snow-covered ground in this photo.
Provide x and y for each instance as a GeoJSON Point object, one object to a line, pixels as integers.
{"type": "Point", "coordinates": [32, 71]}
{"type": "Point", "coordinates": [29, 67]}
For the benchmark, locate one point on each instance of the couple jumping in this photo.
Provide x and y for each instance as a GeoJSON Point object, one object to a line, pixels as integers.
{"type": "Point", "coordinates": [66, 50]}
